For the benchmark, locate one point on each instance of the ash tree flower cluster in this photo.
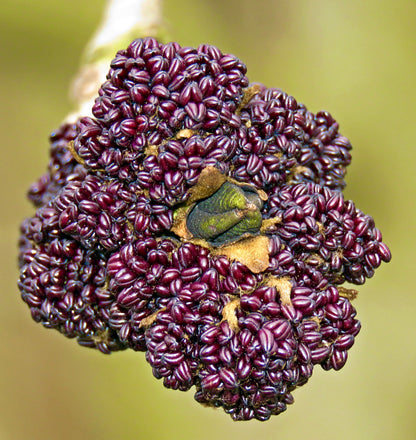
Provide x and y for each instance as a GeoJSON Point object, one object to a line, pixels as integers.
{"type": "Point", "coordinates": [200, 219]}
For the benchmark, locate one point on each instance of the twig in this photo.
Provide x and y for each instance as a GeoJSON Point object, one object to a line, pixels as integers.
{"type": "Point", "coordinates": [123, 21]}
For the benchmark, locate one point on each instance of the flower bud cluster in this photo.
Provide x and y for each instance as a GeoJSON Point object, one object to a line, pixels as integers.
{"type": "Point", "coordinates": [320, 229]}
{"type": "Point", "coordinates": [62, 167]}
{"type": "Point", "coordinates": [64, 286]}
{"type": "Point", "coordinates": [103, 259]}
{"type": "Point", "coordinates": [280, 141]}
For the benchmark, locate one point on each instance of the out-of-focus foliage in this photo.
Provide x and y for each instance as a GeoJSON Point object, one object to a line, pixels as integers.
{"type": "Point", "coordinates": [354, 59]}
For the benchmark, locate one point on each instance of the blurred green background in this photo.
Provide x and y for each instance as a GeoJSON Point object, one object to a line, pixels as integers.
{"type": "Point", "coordinates": [353, 58]}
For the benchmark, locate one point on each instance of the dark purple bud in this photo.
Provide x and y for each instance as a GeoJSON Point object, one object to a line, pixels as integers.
{"type": "Point", "coordinates": [312, 338]}
{"type": "Point", "coordinates": [333, 312]}
{"type": "Point", "coordinates": [304, 303]}
{"type": "Point", "coordinates": [196, 111]}
{"type": "Point", "coordinates": [284, 350]}
{"type": "Point", "coordinates": [211, 382]}
{"type": "Point", "coordinates": [280, 328]}
{"type": "Point", "coordinates": [141, 222]}
{"type": "Point", "coordinates": [208, 351]}
{"type": "Point", "coordinates": [254, 164]}
{"type": "Point", "coordinates": [128, 297]}
{"type": "Point", "coordinates": [338, 359]}
{"type": "Point", "coordinates": [250, 303]}
{"type": "Point", "coordinates": [211, 278]}
{"type": "Point", "coordinates": [266, 339]}
{"type": "Point", "coordinates": [384, 252]}
{"type": "Point", "coordinates": [183, 373]}
{"type": "Point", "coordinates": [209, 336]}
{"type": "Point", "coordinates": [243, 368]}
{"type": "Point", "coordinates": [344, 342]}
{"type": "Point", "coordinates": [124, 277]}
{"type": "Point", "coordinates": [304, 353]}
{"type": "Point", "coordinates": [319, 354]}
{"type": "Point", "coordinates": [225, 355]}
{"type": "Point", "coordinates": [173, 358]}
{"type": "Point", "coordinates": [139, 93]}
{"type": "Point", "coordinates": [229, 378]}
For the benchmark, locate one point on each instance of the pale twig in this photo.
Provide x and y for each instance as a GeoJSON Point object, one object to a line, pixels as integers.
{"type": "Point", "coordinates": [123, 21]}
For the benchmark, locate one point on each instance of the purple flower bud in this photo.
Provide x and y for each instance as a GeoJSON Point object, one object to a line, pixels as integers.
{"type": "Point", "coordinates": [319, 354]}
{"type": "Point", "coordinates": [338, 359]}
{"type": "Point", "coordinates": [228, 377]}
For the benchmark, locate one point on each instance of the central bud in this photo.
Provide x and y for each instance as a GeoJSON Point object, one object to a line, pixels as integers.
{"type": "Point", "coordinates": [229, 214]}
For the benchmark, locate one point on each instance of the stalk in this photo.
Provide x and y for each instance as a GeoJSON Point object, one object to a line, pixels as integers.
{"type": "Point", "coordinates": [122, 22]}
